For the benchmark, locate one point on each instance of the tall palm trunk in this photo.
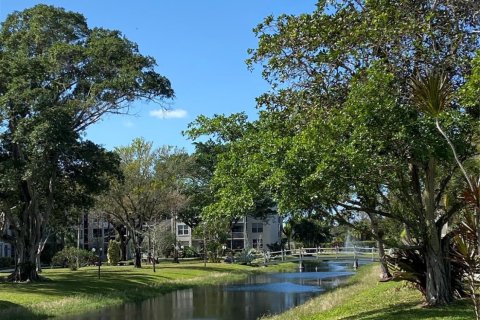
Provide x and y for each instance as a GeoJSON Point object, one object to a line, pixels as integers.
{"type": "Point", "coordinates": [438, 284]}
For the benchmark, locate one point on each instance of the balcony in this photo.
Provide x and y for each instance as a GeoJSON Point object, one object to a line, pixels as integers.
{"type": "Point", "coordinates": [237, 235]}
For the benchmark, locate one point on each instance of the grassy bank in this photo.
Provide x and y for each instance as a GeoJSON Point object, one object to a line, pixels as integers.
{"type": "Point", "coordinates": [68, 292]}
{"type": "Point", "coordinates": [363, 297]}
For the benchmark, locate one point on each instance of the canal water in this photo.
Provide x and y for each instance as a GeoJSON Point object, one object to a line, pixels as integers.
{"type": "Point", "coordinates": [259, 295]}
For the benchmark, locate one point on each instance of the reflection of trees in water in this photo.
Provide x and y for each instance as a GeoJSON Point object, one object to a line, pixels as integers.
{"type": "Point", "coordinates": [227, 303]}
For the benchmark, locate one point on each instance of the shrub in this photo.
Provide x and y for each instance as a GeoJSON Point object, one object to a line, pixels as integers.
{"type": "Point", "coordinates": [408, 263]}
{"type": "Point", "coordinates": [246, 256]}
{"type": "Point", "coordinates": [189, 252]}
{"type": "Point", "coordinates": [113, 252]}
{"type": "Point", "coordinates": [6, 262]}
{"type": "Point", "coordinates": [67, 257]}
{"type": "Point", "coordinates": [166, 244]}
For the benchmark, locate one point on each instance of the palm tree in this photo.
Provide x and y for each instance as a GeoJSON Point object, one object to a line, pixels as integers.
{"type": "Point", "coordinates": [432, 94]}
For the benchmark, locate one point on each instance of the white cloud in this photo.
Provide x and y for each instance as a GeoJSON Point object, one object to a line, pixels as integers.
{"type": "Point", "coordinates": [169, 114]}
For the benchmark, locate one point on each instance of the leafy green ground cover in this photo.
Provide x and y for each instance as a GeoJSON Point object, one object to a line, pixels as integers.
{"type": "Point", "coordinates": [68, 292]}
{"type": "Point", "coordinates": [364, 298]}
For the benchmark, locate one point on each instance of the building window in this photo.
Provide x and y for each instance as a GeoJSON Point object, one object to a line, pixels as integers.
{"type": "Point", "coordinates": [257, 243]}
{"type": "Point", "coordinates": [97, 233]}
{"type": "Point", "coordinates": [257, 227]}
{"type": "Point", "coordinates": [237, 228]}
{"type": "Point", "coordinates": [237, 244]}
{"type": "Point", "coordinates": [182, 230]}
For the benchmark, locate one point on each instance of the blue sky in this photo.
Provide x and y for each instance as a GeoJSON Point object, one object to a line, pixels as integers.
{"type": "Point", "coordinates": [200, 46]}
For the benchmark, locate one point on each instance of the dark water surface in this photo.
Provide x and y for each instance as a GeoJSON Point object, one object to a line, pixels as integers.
{"type": "Point", "coordinates": [257, 296]}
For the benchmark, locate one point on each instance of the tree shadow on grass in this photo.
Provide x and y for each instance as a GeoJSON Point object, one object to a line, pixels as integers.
{"type": "Point", "coordinates": [408, 311]}
{"type": "Point", "coordinates": [12, 311]}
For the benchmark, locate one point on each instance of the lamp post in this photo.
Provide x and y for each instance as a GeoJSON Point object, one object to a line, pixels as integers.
{"type": "Point", "coordinates": [99, 259]}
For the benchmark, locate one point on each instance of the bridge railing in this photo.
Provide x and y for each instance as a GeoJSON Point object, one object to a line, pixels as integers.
{"type": "Point", "coordinates": [325, 251]}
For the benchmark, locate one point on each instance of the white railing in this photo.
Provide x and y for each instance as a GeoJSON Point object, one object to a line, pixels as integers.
{"type": "Point", "coordinates": [321, 251]}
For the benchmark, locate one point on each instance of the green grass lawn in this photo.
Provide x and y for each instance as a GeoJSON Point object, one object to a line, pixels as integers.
{"type": "Point", "coordinates": [363, 297]}
{"type": "Point", "coordinates": [67, 292]}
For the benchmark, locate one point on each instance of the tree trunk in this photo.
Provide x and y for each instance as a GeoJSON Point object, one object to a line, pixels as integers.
{"type": "Point", "coordinates": [41, 246]}
{"type": "Point", "coordinates": [385, 275]}
{"type": "Point", "coordinates": [38, 263]}
{"type": "Point", "coordinates": [122, 238]}
{"type": "Point", "coordinates": [30, 224]}
{"type": "Point", "coordinates": [138, 257]}
{"type": "Point", "coordinates": [477, 221]}
{"type": "Point", "coordinates": [27, 241]}
{"type": "Point", "coordinates": [25, 266]}
{"type": "Point", "coordinates": [123, 250]}
{"type": "Point", "coordinates": [438, 282]}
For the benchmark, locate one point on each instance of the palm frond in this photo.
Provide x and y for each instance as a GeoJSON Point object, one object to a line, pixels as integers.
{"type": "Point", "coordinates": [431, 93]}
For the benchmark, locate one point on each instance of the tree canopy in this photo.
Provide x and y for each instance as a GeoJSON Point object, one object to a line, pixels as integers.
{"type": "Point", "coordinates": [149, 192]}
{"type": "Point", "coordinates": [341, 131]}
{"type": "Point", "coordinates": [58, 76]}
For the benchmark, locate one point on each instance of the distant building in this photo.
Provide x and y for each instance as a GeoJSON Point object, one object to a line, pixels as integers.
{"type": "Point", "coordinates": [184, 234]}
{"type": "Point", "coordinates": [6, 249]}
{"type": "Point", "coordinates": [248, 232]}
{"type": "Point", "coordinates": [255, 233]}
{"type": "Point", "coordinates": [95, 231]}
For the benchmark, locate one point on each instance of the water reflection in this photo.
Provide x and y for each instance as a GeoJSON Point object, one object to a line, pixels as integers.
{"type": "Point", "coordinates": [258, 295]}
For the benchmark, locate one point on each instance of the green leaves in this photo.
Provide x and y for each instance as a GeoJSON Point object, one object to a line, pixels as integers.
{"type": "Point", "coordinates": [58, 76]}
{"type": "Point", "coordinates": [431, 93]}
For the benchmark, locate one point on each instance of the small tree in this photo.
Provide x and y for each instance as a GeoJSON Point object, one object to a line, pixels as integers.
{"type": "Point", "coordinates": [166, 242]}
{"type": "Point", "coordinates": [215, 233]}
{"type": "Point", "coordinates": [113, 253]}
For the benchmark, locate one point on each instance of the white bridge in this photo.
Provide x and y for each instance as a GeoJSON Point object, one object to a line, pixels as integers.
{"type": "Point", "coordinates": [321, 252]}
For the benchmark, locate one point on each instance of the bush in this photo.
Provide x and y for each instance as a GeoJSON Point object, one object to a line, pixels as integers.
{"type": "Point", "coordinates": [409, 264]}
{"type": "Point", "coordinates": [113, 252]}
{"type": "Point", "coordinates": [166, 244]}
{"type": "Point", "coordinates": [189, 252]}
{"type": "Point", "coordinates": [6, 262]}
{"type": "Point", "coordinates": [68, 257]}
{"type": "Point", "coordinates": [246, 256]}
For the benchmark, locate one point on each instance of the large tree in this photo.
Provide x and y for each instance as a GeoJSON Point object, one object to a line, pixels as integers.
{"type": "Point", "coordinates": [341, 132]}
{"type": "Point", "coordinates": [58, 76]}
{"type": "Point", "coordinates": [342, 76]}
